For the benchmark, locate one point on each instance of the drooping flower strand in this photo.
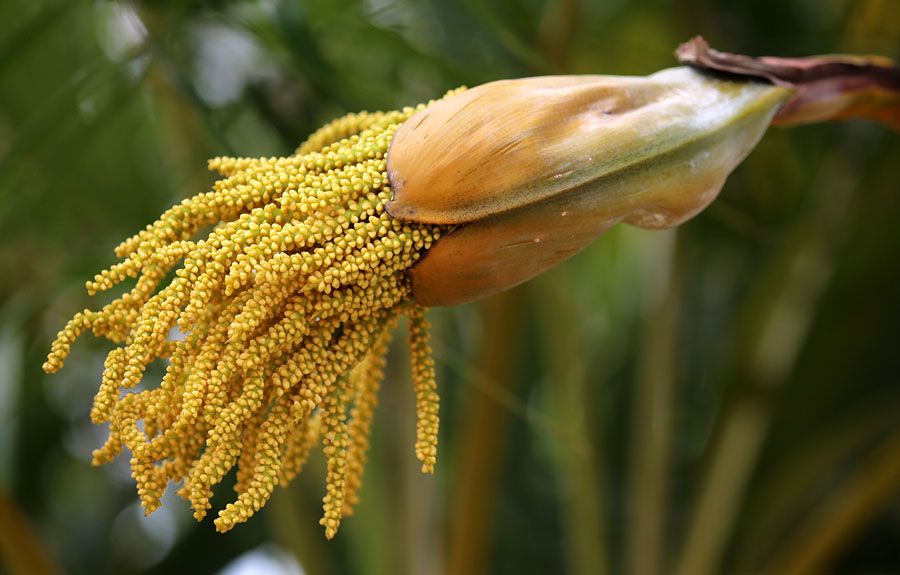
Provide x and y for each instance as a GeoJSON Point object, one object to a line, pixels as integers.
{"type": "Point", "coordinates": [425, 388]}
{"type": "Point", "coordinates": [286, 307]}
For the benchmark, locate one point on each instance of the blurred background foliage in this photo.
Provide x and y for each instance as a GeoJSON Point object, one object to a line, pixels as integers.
{"type": "Point", "coordinates": [720, 398]}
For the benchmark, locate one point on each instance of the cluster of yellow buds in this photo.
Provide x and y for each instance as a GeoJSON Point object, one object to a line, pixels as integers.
{"type": "Point", "coordinates": [286, 309]}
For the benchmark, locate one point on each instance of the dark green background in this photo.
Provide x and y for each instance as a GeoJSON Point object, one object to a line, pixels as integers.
{"type": "Point", "coordinates": [723, 398]}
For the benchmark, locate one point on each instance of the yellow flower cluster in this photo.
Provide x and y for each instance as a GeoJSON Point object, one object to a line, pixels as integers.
{"type": "Point", "coordinates": [286, 307]}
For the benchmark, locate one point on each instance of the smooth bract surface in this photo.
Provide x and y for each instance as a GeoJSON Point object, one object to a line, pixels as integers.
{"type": "Point", "coordinates": [532, 170]}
